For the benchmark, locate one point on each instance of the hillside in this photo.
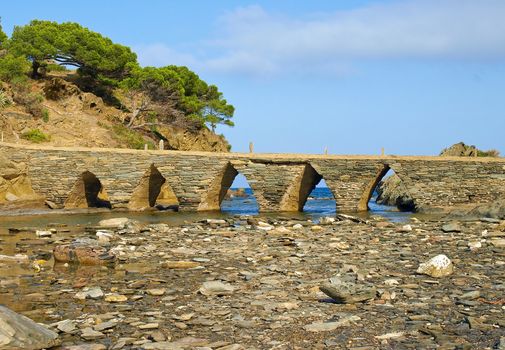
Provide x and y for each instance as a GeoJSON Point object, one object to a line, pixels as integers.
{"type": "Point", "coordinates": [77, 118]}
{"type": "Point", "coordinates": [62, 84]}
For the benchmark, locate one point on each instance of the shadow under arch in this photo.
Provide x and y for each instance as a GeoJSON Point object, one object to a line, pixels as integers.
{"type": "Point", "coordinates": [153, 191]}
{"type": "Point", "coordinates": [218, 188]}
{"type": "Point", "coordinates": [308, 183]}
{"type": "Point", "coordinates": [87, 192]}
{"type": "Point", "coordinates": [403, 203]}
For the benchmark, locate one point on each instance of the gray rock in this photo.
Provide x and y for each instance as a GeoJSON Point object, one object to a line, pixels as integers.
{"type": "Point", "coordinates": [216, 288]}
{"type": "Point", "coordinates": [345, 291]}
{"type": "Point", "coordinates": [19, 332]}
{"type": "Point", "coordinates": [66, 326]}
{"type": "Point", "coordinates": [330, 326]}
{"type": "Point", "coordinates": [451, 227]}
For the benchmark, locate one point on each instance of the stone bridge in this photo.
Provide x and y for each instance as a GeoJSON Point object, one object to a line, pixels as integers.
{"type": "Point", "coordinates": [137, 179]}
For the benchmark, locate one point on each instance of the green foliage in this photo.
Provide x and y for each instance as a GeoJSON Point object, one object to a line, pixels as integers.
{"type": "Point", "coordinates": [181, 89]}
{"type": "Point", "coordinates": [70, 44]}
{"type": "Point", "coordinates": [131, 138]}
{"type": "Point", "coordinates": [13, 67]}
{"type": "Point", "coordinates": [3, 36]}
{"type": "Point", "coordinates": [488, 153]}
{"type": "Point", "coordinates": [45, 115]}
{"type": "Point", "coordinates": [35, 135]}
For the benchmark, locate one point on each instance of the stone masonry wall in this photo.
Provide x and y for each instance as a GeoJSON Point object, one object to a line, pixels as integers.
{"type": "Point", "coordinates": [275, 179]}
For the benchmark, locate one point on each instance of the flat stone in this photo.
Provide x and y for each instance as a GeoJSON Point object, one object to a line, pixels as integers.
{"type": "Point", "coordinates": [216, 288]}
{"type": "Point", "coordinates": [451, 227]}
{"type": "Point", "coordinates": [105, 325]}
{"type": "Point", "coordinates": [19, 332]}
{"type": "Point", "coordinates": [91, 293]}
{"type": "Point", "coordinates": [66, 326]}
{"type": "Point", "coordinates": [180, 264]}
{"type": "Point", "coordinates": [113, 223]}
{"type": "Point", "coordinates": [89, 333]}
{"type": "Point", "coordinates": [156, 291]}
{"type": "Point", "coordinates": [149, 326]}
{"type": "Point", "coordinates": [330, 326]}
{"type": "Point", "coordinates": [347, 292]}
{"type": "Point", "coordinates": [116, 298]}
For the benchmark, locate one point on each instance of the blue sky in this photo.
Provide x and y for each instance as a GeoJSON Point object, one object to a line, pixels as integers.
{"type": "Point", "coordinates": [354, 76]}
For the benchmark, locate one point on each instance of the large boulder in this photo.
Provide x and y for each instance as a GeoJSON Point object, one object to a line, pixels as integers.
{"type": "Point", "coordinates": [19, 332]}
{"type": "Point", "coordinates": [459, 150]}
{"type": "Point", "coordinates": [15, 185]}
{"type": "Point", "coordinates": [391, 191]}
{"type": "Point", "coordinates": [193, 140]}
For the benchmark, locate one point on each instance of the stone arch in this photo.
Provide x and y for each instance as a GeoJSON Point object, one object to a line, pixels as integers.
{"type": "Point", "coordinates": [218, 187]}
{"type": "Point", "coordinates": [153, 190]}
{"type": "Point", "coordinates": [404, 203]}
{"type": "Point", "coordinates": [297, 194]}
{"type": "Point", "coordinates": [87, 192]}
{"type": "Point", "coordinates": [370, 187]}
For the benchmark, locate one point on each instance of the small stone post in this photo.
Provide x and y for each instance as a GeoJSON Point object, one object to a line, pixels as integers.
{"type": "Point", "coordinates": [382, 151]}
{"type": "Point", "coordinates": [145, 146]}
{"type": "Point", "coordinates": [161, 146]}
{"type": "Point", "coordinates": [251, 147]}
{"type": "Point", "coordinates": [326, 150]}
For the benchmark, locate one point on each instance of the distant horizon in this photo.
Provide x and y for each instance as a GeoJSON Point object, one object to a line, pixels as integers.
{"type": "Point", "coordinates": [351, 77]}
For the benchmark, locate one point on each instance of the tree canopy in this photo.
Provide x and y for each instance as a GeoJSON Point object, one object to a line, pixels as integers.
{"type": "Point", "coordinates": [3, 36]}
{"type": "Point", "coordinates": [70, 44]}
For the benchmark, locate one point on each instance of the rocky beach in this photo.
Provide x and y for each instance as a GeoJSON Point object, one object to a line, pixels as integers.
{"type": "Point", "coordinates": [259, 283]}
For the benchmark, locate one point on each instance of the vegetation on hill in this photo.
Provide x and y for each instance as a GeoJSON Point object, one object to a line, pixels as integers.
{"type": "Point", "coordinates": [148, 97]}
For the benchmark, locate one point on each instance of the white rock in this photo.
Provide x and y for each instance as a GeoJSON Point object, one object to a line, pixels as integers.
{"type": "Point", "coordinates": [326, 220]}
{"type": "Point", "coordinates": [17, 257]}
{"type": "Point", "coordinates": [91, 293]}
{"type": "Point", "coordinates": [104, 236]}
{"type": "Point", "coordinates": [438, 266]}
{"type": "Point", "coordinates": [11, 197]}
{"type": "Point", "coordinates": [474, 245]}
{"type": "Point", "coordinates": [405, 228]}
{"type": "Point", "coordinates": [116, 222]}
{"type": "Point", "coordinates": [216, 221]}
{"type": "Point", "coordinates": [40, 233]}
{"type": "Point", "coordinates": [297, 226]}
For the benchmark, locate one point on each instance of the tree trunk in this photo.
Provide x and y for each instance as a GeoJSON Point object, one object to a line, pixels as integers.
{"type": "Point", "coordinates": [35, 69]}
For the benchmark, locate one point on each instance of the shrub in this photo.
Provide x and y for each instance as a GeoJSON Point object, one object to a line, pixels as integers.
{"type": "Point", "coordinates": [35, 135]}
{"type": "Point", "coordinates": [12, 67]}
{"type": "Point", "coordinates": [488, 153]}
{"type": "Point", "coordinates": [130, 137]}
{"type": "Point", "coordinates": [45, 115]}
{"type": "Point", "coordinates": [4, 100]}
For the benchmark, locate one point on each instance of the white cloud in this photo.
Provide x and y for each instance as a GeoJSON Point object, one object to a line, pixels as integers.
{"type": "Point", "coordinates": [161, 55]}
{"type": "Point", "coordinates": [254, 42]}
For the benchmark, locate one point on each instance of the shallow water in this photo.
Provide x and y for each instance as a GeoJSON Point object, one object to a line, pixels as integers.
{"type": "Point", "coordinates": [320, 203]}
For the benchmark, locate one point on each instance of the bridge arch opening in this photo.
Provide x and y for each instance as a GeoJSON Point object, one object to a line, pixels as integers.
{"type": "Point", "coordinates": [230, 192]}
{"type": "Point", "coordinates": [88, 192]}
{"type": "Point", "coordinates": [315, 196]}
{"type": "Point", "coordinates": [153, 191]}
{"type": "Point", "coordinates": [387, 191]}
